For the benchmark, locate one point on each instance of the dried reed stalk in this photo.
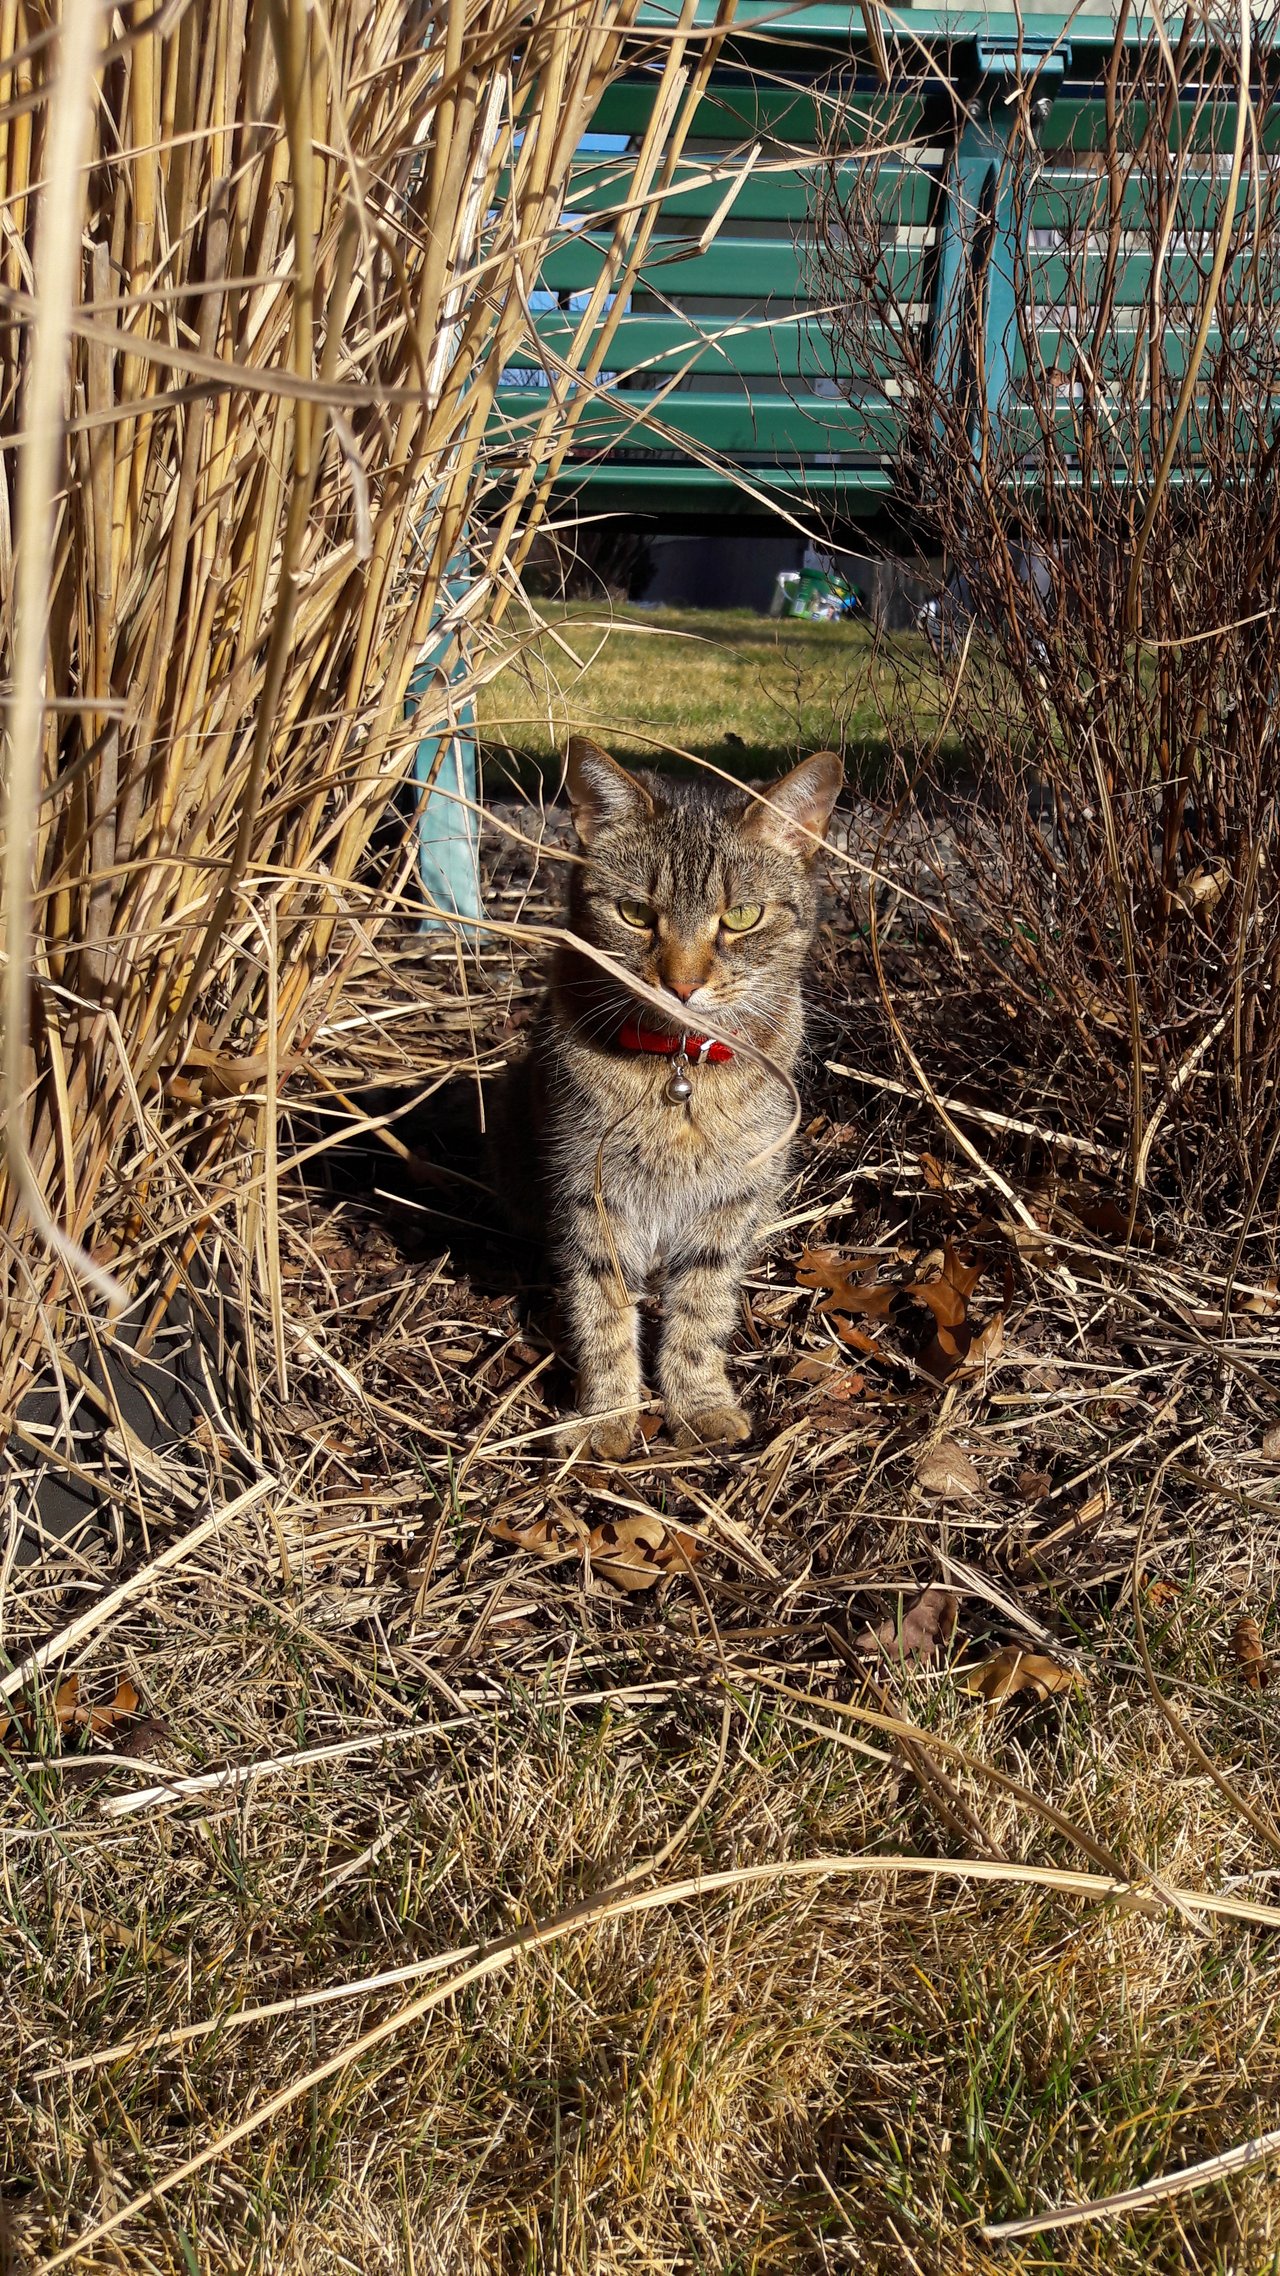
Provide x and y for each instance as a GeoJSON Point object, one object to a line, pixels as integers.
{"type": "Point", "coordinates": [263, 319]}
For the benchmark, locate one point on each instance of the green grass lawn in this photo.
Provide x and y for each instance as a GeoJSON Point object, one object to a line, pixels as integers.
{"type": "Point", "coordinates": [746, 692]}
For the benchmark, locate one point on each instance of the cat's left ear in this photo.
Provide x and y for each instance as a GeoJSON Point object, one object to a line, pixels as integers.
{"type": "Point", "coordinates": [600, 790]}
{"type": "Point", "coordinates": [793, 813]}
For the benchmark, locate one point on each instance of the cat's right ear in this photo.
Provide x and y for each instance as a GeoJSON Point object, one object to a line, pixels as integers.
{"type": "Point", "coordinates": [600, 790]}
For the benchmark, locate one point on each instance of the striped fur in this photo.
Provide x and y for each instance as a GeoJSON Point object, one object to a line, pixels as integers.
{"type": "Point", "coordinates": [640, 1192]}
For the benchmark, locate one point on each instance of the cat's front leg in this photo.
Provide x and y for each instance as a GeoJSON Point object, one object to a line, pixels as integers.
{"type": "Point", "coordinates": [699, 1310]}
{"type": "Point", "coordinates": [598, 1296]}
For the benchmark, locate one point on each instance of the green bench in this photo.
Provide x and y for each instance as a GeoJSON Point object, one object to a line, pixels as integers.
{"type": "Point", "coordinates": [721, 372]}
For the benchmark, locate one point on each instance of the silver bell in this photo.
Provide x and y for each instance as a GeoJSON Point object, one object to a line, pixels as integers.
{"type": "Point", "coordinates": [679, 1088]}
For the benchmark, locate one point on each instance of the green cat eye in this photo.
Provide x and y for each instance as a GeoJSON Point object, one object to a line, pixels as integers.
{"type": "Point", "coordinates": [741, 919]}
{"type": "Point", "coordinates": [637, 913]}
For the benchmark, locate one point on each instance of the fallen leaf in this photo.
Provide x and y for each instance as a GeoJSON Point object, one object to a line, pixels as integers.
{"type": "Point", "coordinates": [550, 1537]}
{"type": "Point", "coordinates": [850, 1282]}
{"type": "Point", "coordinates": [1271, 1443]}
{"type": "Point", "coordinates": [858, 1338]}
{"type": "Point", "coordinates": [946, 1470]}
{"type": "Point", "coordinates": [1247, 1652]}
{"type": "Point", "coordinates": [829, 1369]}
{"type": "Point", "coordinates": [927, 1628]}
{"type": "Point", "coordinates": [140, 1737]}
{"type": "Point", "coordinates": [66, 1703]}
{"type": "Point", "coordinates": [1110, 1220]}
{"type": "Point", "coordinates": [1012, 1670]}
{"type": "Point", "coordinates": [1204, 887]}
{"type": "Point", "coordinates": [636, 1552]}
{"type": "Point", "coordinates": [942, 1298]}
{"type": "Point", "coordinates": [1159, 1593]}
{"type": "Point", "coordinates": [830, 1416]}
{"type": "Point", "coordinates": [936, 1175]}
{"type": "Point", "coordinates": [941, 1287]}
{"type": "Point", "coordinates": [987, 1344]}
{"type": "Point", "coordinates": [1033, 1485]}
{"type": "Point", "coordinates": [1262, 1306]}
{"type": "Point", "coordinates": [122, 1708]}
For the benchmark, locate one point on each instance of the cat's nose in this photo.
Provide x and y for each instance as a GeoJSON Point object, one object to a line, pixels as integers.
{"type": "Point", "coordinates": [684, 988]}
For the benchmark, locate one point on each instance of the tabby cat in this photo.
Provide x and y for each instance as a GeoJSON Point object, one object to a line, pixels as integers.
{"type": "Point", "coordinates": [661, 1152]}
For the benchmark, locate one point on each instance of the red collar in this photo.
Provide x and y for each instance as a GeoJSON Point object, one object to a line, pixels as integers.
{"type": "Point", "coordinates": [703, 1050]}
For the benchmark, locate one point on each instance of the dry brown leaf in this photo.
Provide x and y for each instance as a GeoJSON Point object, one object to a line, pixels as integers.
{"type": "Point", "coordinates": [1033, 1485]}
{"type": "Point", "coordinates": [70, 1716]}
{"type": "Point", "coordinates": [936, 1175]}
{"type": "Point", "coordinates": [636, 1552]}
{"type": "Point", "coordinates": [122, 1708]}
{"type": "Point", "coordinates": [942, 1285]}
{"type": "Point", "coordinates": [551, 1537]}
{"type": "Point", "coordinates": [850, 1282]}
{"type": "Point", "coordinates": [987, 1344]}
{"type": "Point", "coordinates": [946, 1470]}
{"type": "Point", "coordinates": [927, 1628]}
{"type": "Point", "coordinates": [1271, 1443]}
{"type": "Point", "coordinates": [1248, 1654]}
{"type": "Point", "coordinates": [1204, 887]}
{"type": "Point", "coordinates": [1262, 1306]}
{"type": "Point", "coordinates": [828, 1368]}
{"type": "Point", "coordinates": [1012, 1670]}
{"type": "Point", "coordinates": [140, 1737]}
{"type": "Point", "coordinates": [942, 1299]}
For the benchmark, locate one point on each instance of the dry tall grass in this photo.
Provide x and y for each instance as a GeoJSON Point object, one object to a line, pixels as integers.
{"type": "Point", "coordinates": [262, 268]}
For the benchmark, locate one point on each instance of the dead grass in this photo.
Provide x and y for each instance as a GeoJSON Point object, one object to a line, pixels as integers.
{"type": "Point", "coordinates": [857, 2070]}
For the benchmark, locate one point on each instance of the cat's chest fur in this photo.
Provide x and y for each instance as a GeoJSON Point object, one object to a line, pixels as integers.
{"type": "Point", "coordinates": [655, 1161]}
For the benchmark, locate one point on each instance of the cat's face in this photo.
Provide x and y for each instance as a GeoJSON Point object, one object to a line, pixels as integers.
{"type": "Point", "coordinates": [705, 893]}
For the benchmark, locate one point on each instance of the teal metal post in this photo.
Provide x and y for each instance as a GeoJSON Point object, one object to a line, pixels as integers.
{"type": "Point", "coordinates": [982, 234]}
{"type": "Point", "coordinates": [445, 766]}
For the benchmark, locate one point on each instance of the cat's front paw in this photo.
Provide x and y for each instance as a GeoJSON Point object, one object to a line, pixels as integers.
{"type": "Point", "coordinates": [721, 1425]}
{"type": "Point", "coordinates": [607, 1436]}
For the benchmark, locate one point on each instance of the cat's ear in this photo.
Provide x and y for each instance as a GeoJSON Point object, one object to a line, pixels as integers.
{"type": "Point", "coordinates": [600, 790]}
{"type": "Point", "coordinates": [792, 814]}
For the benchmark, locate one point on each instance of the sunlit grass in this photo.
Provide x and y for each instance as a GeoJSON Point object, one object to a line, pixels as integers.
{"type": "Point", "coordinates": [745, 692]}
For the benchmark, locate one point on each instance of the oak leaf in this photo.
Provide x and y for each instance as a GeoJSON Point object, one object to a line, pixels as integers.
{"type": "Point", "coordinates": [636, 1552]}
{"type": "Point", "coordinates": [551, 1537]}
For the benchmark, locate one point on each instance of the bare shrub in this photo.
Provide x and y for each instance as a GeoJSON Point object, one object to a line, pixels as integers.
{"type": "Point", "coordinates": [1099, 476]}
